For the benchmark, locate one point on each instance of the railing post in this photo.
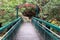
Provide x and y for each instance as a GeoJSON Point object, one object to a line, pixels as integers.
{"type": "Point", "coordinates": [17, 12]}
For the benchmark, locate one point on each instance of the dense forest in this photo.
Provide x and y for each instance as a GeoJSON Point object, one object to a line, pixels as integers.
{"type": "Point", "coordinates": [50, 9]}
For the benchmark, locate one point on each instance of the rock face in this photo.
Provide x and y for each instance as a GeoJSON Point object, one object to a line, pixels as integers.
{"type": "Point", "coordinates": [29, 13]}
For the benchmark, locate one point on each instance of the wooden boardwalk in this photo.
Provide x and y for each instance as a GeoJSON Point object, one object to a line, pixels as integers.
{"type": "Point", "coordinates": [27, 32]}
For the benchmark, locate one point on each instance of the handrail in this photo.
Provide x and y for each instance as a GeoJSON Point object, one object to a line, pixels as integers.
{"type": "Point", "coordinates": [51, 31]}
{"type": "Point", "coordinates": [8, 33]}
{"type": "Point", "coordinates": [9, 24]}
{"type": "Point", "coordinates": [35, 22]}
{"type": "Point", "coordinates": [48, 24]}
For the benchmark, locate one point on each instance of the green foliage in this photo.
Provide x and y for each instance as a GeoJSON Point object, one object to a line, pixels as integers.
{"type": "Point", "coordinates": [10, 13]}
{"type": "Point", "coordinates": [51, 6]}
{"type": "Point", "coordinates": [9, 7]}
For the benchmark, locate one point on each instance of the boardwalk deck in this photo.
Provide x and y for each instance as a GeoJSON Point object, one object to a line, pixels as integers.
{"type": "Point", "coordinates": [27, 32]}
